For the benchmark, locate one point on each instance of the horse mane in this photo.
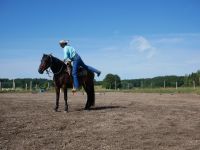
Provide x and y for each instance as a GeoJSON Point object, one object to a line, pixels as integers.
{"type": "Point", "coordinates": [57, 60]}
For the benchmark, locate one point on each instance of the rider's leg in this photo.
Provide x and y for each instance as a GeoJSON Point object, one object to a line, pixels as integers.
{"type": "Point", "coordinates": [89, 68]}
{"type": "Point", "coordinates": [75, 74]}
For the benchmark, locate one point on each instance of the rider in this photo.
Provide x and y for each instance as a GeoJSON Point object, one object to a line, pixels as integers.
{"type": "Point", "coordinates": [70, 54]}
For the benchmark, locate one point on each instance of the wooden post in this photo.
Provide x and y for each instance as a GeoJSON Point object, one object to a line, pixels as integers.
{"type": "Point", "coordinates": [151, 85]}
{"type": "Point", "coordinates": [199, 81]}
{"type": "Point", "coordinates": [26, 87]}
{"type": "Point", "coordinates": [48, 86]}
{"type": "Point", "coordinates": [115, 85]}
{"type": "Point", "coordinates": [36, 86]}
{"type": "Point", "coordinates": [13, 84]}
{"type": "Point", "coordinates": [30, 85]}
{"type": "Point", "coordinates": [176, 85]}
{"type": "Point", "coordinates": [0, 86]}
{"type": "Point", "coordinates": [194, 84]}
{"type": "Point", "coordinates": [164, 84]}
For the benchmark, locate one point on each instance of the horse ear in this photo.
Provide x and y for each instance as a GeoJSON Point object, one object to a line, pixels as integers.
{"type": "Point", "coordinates": [45, 55]}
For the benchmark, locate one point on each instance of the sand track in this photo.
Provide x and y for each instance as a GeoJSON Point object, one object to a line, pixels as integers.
{"type": "Point", "coordinates": [118, 121]}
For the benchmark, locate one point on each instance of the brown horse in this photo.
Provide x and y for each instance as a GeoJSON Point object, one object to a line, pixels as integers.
{"type": "Point", "coordinates": [63, 79]}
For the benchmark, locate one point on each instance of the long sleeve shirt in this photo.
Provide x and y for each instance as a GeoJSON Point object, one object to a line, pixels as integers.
{"type": "Point", "coordinates": [69, 53]}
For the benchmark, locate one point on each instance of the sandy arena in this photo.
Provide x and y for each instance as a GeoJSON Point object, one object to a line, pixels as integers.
{"type": "Point", "coordinates": [119, 121]}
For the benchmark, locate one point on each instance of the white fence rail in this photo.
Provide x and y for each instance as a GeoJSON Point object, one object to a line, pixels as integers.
{"type": "Point", "coordinates": [12, 86]}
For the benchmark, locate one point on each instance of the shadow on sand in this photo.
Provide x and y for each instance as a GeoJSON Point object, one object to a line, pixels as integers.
{"type": "Point", "coordinates": [105, 107]}
{"type": "Point", "coordinates": [102, 108]}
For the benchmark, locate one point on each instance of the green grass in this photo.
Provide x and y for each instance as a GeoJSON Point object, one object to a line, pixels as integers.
{"type": "Point", "coordinates": [167, 90]}
{"type": "Point", "coordinates": [135, 90]}
{"type": "Point", "coordinates": [153, 90]}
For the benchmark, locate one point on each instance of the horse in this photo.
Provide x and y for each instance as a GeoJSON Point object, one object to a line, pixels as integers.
{"type": "Point", "coordinates": [63, 79]}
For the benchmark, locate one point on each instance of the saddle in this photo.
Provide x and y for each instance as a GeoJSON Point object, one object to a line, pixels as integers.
{"type": "Point", "coordinates": [81, 71]}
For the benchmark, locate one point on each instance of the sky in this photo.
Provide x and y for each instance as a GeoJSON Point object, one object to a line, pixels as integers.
{"type": "Point", "coordinates": [130, 38]}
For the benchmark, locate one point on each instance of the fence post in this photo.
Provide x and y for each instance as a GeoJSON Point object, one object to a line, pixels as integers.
{"type": "Point", "coordinates": [194, 84]}
{"type": "Point", "coordinates": [26, 87]}
{"type": "Point", "coordinates": [115, 85]}
{"type": "Point", "coordinates": [13, 84]}
{"type": "Point", "coordinates": [48, 86]}
{"type": "Point", "coordinates": [141, 84]}
{"type": "Point", "coordinates": [164, 84]}
{"type": "Point", "coordinates": [0, 85]}
{"type": "Point", "coordinates": [128, 86]}
{"type": "Point", "coordinates": [176, 85]}
{"type": "Point", "coordinates": [199, 81]}
{"type": "Point", "coordinates": [30, 85]}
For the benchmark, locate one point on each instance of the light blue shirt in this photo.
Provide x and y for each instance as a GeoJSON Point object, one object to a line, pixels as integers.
{"type": "Point", "coordinates": [69, 52]}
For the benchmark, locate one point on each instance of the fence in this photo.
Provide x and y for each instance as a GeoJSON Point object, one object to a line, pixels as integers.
{"type": "Point", "coordinates": [32, 86]}
{"type": "Point", "coordinates": [164, 84]}
{"type": "Point", "coordinates": [12, 86]}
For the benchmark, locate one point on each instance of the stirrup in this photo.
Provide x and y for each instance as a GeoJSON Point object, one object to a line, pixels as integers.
{"type": "Point", "coordinates": [74, 90]}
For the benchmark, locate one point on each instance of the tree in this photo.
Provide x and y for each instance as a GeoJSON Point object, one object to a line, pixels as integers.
{"type": "Point", "coordinates": [111, 81]}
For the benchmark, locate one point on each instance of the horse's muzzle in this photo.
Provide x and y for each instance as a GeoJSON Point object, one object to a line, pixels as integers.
{"type": "Point", "coordinates": [40, 71]}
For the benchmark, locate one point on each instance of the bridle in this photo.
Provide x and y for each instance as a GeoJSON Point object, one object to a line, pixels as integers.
{"type": "Point", "coordinates": [48, 71]}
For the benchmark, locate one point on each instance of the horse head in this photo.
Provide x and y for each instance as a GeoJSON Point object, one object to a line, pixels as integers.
{"type": "Point", "coordinates": [45, 63]}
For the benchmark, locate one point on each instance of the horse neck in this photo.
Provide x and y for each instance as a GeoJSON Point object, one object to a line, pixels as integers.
{"type": "Point", "coordinates": [56, 65]}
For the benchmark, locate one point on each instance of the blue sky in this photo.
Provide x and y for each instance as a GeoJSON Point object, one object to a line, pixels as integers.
{"type": "Point", "coordinates": [131, 38]}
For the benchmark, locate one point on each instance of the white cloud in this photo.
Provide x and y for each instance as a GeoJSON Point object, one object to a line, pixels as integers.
{"type": "Point", "coordinates": [173, 40]}
{"type": "Point", "coordinates": [142, 45]}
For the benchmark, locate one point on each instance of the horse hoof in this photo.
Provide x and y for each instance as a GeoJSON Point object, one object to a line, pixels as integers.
{"type": "Point", "coordinates": [65, 111]}
{"type": "Point", "coordinates": [87, 109]}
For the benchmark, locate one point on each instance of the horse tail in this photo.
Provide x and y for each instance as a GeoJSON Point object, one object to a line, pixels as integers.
{"type": "Point", "coordinates": [92, 91]}
{"type": "Point", "coordinates": [92, 94]}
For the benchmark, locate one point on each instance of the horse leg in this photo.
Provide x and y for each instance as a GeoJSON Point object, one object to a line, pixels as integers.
{"type": "Point", "coordinates": [57, 99]}
{"type": "Point", "coordinates": [65, 97]}
{"type": "Point", "coordinates": [90, 96]}
{"type": "Point", "coordinates": [87, 103]}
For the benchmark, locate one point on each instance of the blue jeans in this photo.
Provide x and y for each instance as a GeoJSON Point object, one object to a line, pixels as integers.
{"type": "Point", "coordinates": [77, 62]}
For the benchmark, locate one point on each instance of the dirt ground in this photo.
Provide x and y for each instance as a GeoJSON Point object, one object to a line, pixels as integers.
{"type": "Point", "coordinates": [119, 121]}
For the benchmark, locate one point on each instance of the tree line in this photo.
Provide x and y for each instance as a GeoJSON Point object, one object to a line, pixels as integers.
{"type": "Point", "coordinates": [113, 81]}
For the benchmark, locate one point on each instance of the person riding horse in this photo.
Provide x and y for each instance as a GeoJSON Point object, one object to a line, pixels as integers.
{"type": "Point", "coordinates": [70, 54]}
{"type": "Point", "coordinates": [63, 80]}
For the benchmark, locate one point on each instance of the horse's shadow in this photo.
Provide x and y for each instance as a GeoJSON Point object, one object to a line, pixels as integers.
{"type": "Point", "coordinates": [103, 108]}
